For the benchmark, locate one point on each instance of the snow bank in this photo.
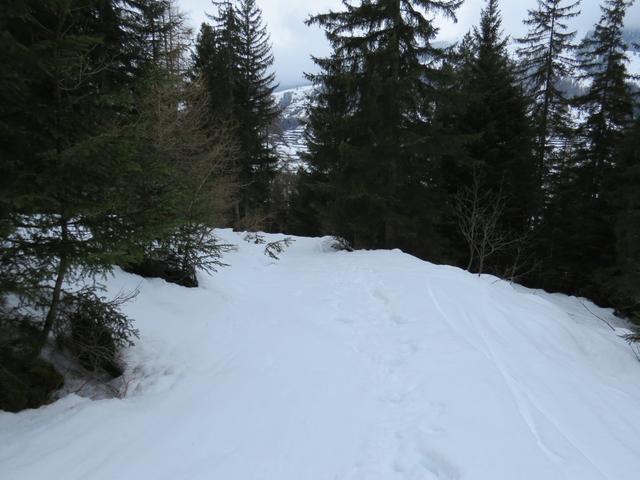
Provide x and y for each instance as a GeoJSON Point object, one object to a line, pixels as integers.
{"type": "Point", "coordinates": [347, 366]}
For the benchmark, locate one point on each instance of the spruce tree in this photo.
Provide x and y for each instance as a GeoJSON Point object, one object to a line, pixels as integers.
{"type": "Point", "coordinates": [382, 75]}
{"type": "Point", "coordinates": [587, 234]}
{"type": "Point", "coordinates": [234, 58]}
{"type": "Point", "coordinates": [255, 108]}
{"type": "Point", "coordinates": [80, 193]}
{"type": "Point", "coordinates": [495, 119]}
{"type": "Point", "coordinates": [622, 281]}
{"type": "Point", "coordinates": [546, 61]}
{"type": "Point", "coordinates": [67, 172]}
{"type": "Point", "coordinates": [327, 128]}
{"type": "Point", "coordinates": [215, 59]}
{"type": "Point", "coordinates": [607, 103]}
{"type": "Point", "coordinates": [97, 165]}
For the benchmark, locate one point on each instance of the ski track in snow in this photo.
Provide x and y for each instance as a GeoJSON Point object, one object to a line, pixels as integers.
{"type": "Point", "coordinates": [347, 366]}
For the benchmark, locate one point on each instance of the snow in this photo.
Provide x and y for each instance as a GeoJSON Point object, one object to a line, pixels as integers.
{"type": "Point", "coordinates": [295, 99]}
{"type": "Point", "coordinates": [633, 67]}
{"type": "Point", "coordinates": [293, 104]}
{"type": "Point", "coordinates": [325, 365]}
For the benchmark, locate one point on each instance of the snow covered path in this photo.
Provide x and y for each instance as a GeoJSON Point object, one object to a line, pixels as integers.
{"type": "Point", "coordinates": [347, 366]}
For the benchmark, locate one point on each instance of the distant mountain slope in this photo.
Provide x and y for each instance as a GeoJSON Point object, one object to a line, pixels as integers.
{"type": "Point", "coordinates": [290, 139]}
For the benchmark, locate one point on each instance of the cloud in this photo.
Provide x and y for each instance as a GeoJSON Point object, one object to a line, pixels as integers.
{"type": "Point", "coordinates": [294, 43]}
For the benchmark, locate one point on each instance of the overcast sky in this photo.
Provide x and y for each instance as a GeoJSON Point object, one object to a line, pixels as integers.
{"type": "Point", "coordinates": [294, 43]}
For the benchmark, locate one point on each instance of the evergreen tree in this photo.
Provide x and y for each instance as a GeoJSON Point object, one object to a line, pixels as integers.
{"type": "Point", "coordinates": [212, 64]}
{"type": "Point", "coordinates": [495, 119]}
{"type": "Point", "coordinates": [256, 109]}
{"type": "Point", "coordinates": [546, 62]}
{"type": "Point", "coordinates": [607, 103]}
{"type": "Point", "coordinates": [67, 173]}
{"type": "Point", "coordinates": [142, 44]}
{"type": "Point", "coordinates": [97, 165]}
{"type": "Point", "coordinates": [585, 237]}
{"type": "Point", "coordinates": [80, 191]}
{"type": "Point", "coordinates": [622, 282]}
{"type": "Point", "coordinates": [234, 57]}
{"type": "Point", "coordinates": [215, 59]}
{"type": "Point", "coordinates": [605, 160]}
{"type": "Point", "coordinates": [327, 128]}
{"type": "Point", "coordinates": [382, 79]}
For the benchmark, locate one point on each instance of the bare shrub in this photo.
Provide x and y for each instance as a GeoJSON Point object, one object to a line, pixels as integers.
{"type": "Point", "coordinates": [479, 213]}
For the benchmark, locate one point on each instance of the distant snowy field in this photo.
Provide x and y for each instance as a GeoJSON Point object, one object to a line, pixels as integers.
{"type": "Point", "coordinates": [326, 365]}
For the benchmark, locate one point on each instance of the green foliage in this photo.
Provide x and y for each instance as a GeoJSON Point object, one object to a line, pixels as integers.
{"type": "Point", "coordinates": [233, 57]}
{"type": "Point", "coordinates": [94, 329]}
{"type": "Point", "coordinates": [607, 103]}
{"type": "Point", "coordinates": [277, 248]}
{"type": "Point", "coordinates": [106, 150]}
{"type": "Point", "coordinates": [189, 156]}
{"type": "Point", "coordinates": [374, 139]}
{"type": "Point", "coordinates": [546, 61]}
{"type": "Point", "coordinates": [584, 207]}
{"type": "Point", "coordinates": [493, 117]}
{"type": "Point", "coordinates": [621, 282]}
{"type": "Point", "coordinates": [63, 207]}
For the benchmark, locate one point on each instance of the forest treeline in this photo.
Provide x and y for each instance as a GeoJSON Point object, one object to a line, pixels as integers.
{"type": "Point", "coordinates": [126, 138]}
{"type": "Point", "coordinates": [475, 156]}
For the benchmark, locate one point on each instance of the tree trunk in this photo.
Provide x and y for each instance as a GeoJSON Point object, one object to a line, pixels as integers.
{"type": "Point", "coordinates": [471, 259]}
{"type": "Point", "coordinates": [390, 233]}
{"type": "Point", "coordinates": [390, 224]}
{"type": "Point", "coordinates": [57, 291]}
{"type": "Point", "coordinates": [236, 212]}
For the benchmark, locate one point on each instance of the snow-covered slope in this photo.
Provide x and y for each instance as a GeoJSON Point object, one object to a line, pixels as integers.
{"type": "Point", "coordinates": [347, 366]}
